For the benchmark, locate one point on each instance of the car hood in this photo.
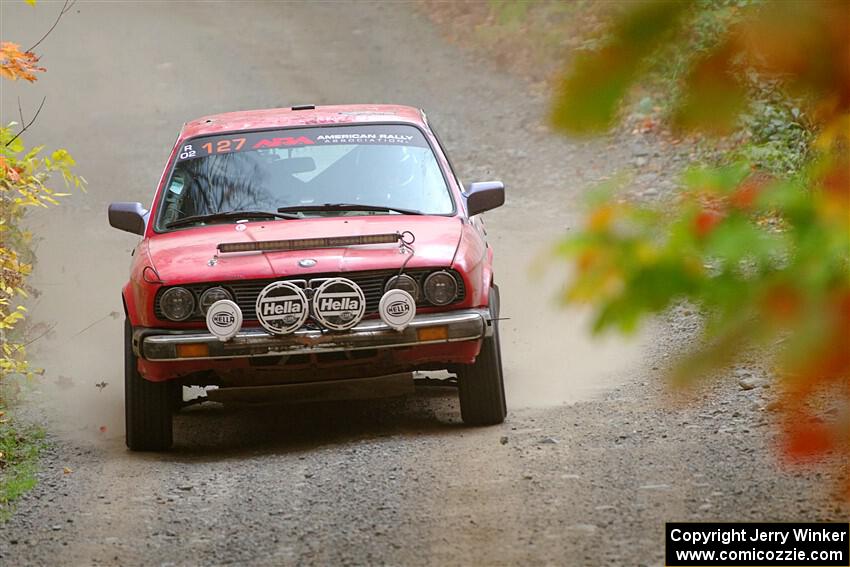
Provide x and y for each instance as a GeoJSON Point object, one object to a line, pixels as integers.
{"type": "Point", "coordinates": [190, 255]}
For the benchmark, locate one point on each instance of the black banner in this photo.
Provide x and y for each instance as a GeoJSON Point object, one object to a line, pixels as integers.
{"type": "Point", "coordinates": [690, 544]}
{"type": "Point", "coordinates": [358, 134]}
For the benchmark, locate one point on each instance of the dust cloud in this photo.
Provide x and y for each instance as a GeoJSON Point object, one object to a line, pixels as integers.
{"type": "Point", "coordinates": [549, 356]}
{"type": "Point", "coordinates": [81, 266]}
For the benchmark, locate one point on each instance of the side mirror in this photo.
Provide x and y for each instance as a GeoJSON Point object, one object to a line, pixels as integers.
{"type": "Point", "coordinates": [484, 196]}
{"type": "Point", "coordinates": [131, 217]}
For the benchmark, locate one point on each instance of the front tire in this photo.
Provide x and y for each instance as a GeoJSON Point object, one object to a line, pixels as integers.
{"type": "Point", "coordinates": [148, 405]}
{"type": "Point", "coordinates": [481, 384]}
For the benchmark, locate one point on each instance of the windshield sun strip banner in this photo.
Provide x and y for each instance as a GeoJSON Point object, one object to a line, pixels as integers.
{"type": "Point", "coordinates": [366, 134]}
{"type": "Point", "coordinates": [308, 243]}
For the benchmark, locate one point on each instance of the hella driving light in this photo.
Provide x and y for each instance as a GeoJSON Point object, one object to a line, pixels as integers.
{"type": "Point", "coordinates": [339, 304]}
{"type": "Point", "coordinates": [224, 319]}
{"type": "Point", "coordinates": [177, 303]}
{"type": "Point", "coordinates": [397, 309]}
{"type": "Point", "coordinates": [440, 288]}
{"type": "Point", "coordinates": [212, 295]}
{"type": "Point", "coordinates": [282, 308]}
{"type": "Point", "coordinates": [404, 283]}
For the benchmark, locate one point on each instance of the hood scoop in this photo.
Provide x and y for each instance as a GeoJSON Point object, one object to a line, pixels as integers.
{"type": "Point", "coordinates": [312, 243]}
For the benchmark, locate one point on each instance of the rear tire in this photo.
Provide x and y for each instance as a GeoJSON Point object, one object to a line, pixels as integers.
{"type": "Point", "coordinates": [148, 405]}
{"type": "Point", "coordinates": [481, 384]}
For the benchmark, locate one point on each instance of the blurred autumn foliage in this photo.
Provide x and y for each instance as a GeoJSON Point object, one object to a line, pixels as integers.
{"type": "Point", "coordinates": [764, 256]}
{"type": "Point", "coordinates": [24, 174]}
{"type": "Point", "coordinates": [24, 177]}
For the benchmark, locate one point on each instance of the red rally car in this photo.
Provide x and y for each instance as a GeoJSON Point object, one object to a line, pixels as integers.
{"type": "Point", "coordinates": [329, 249]}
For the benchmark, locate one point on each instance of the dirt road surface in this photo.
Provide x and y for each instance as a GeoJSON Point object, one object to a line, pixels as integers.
{"type": "Point", "coordinates": [594, 456]}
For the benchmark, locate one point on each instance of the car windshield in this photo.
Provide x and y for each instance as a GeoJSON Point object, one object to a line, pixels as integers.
{"type": "Point", "coordinates": [304, 170]}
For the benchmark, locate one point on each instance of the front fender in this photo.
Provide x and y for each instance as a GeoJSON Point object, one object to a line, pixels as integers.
{"type": "Point", "coordinates": [138, 294]}
{"type": "Point", "coordinates": [474, 259]}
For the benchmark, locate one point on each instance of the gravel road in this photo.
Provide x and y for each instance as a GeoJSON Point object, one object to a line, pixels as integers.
{"type": "Point", "coordinates": [595, 455]}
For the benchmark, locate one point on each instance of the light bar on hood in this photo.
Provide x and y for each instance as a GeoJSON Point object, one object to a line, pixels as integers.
{"type": "Point", "coordinates": [308, 243]}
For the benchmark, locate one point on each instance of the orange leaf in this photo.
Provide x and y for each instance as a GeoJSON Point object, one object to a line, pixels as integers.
{"type": "Point", "coordinates": [705, 222]}
{"type": "Point", "coordinates": [782, 303]}
{"type": "Point", "coordinates": [16, 64]}
{"type": "Point", "coordinates": [600, 219]}
{"type": "Point", "coordinates": [746, 193]}
{"type": "Point", "coordinates": [808, 439]}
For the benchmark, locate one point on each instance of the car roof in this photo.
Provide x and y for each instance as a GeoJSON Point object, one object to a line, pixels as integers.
{"type": "Point", "coordinates": [305, 115]}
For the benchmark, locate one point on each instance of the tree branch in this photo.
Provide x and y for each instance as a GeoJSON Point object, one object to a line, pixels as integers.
{"type": "Point", "coordinates": [24, 129]}
{"type": "Point", "coordinates": [31, 341]}
{"type": "Point", "coordinates": [65, 8]}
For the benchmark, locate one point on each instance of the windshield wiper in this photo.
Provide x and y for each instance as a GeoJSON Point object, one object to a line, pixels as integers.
{"type": "Point", "coordinates": [230, 215]}
{"type": "Point", "coordinates": [348, 207]}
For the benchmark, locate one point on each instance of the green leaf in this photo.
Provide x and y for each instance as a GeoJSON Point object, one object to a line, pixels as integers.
{"type": "Point", "coordinates": [588, 97]}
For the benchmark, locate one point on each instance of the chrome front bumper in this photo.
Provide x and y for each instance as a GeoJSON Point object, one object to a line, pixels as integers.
{"type": "Point", "coordinates": [160, 345]}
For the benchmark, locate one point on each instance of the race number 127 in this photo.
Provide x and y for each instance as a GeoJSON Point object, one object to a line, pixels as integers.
{"type": "Point", "coordinates": [224, 146]}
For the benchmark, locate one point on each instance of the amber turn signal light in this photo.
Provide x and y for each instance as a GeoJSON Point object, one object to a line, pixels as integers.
{"type": "Point", "coordinates": [433, 333]}
{"type": "Point", "coordinates": [192, 350]}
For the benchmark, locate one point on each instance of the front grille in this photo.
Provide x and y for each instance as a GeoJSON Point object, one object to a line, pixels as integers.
{"type": "Point", "coordinates": [372, 283]}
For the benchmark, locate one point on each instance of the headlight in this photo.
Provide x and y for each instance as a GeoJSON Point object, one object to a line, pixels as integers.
{"type": "Point", "coordinates": [404, 283]}
{"type": "Point", "coordinates": [440, 288]}
{"type": "Point", "coordinates": [212, 295]}
{"type": "Point", "coordinates": [177, 303]}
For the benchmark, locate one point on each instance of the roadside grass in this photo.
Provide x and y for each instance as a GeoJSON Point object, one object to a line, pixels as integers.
{"type": "Point", "coordinates": [19, 450]}
{"type": "Point", "coordinates": [530, 39]}
{"type": "Point", "coordinates": [536, 40]}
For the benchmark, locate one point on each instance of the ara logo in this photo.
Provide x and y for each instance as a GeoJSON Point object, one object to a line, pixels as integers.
{"type": "Point", "coordinates": [281, 307]}
{"type": "Point", "coordinates": [397, 309]}
{"type": "Point", "coordinates": [339, 304]}
{"type": "Point", "coordinates": [224, 319]}
{"type": "Point", "coordinates": [278, 142]}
